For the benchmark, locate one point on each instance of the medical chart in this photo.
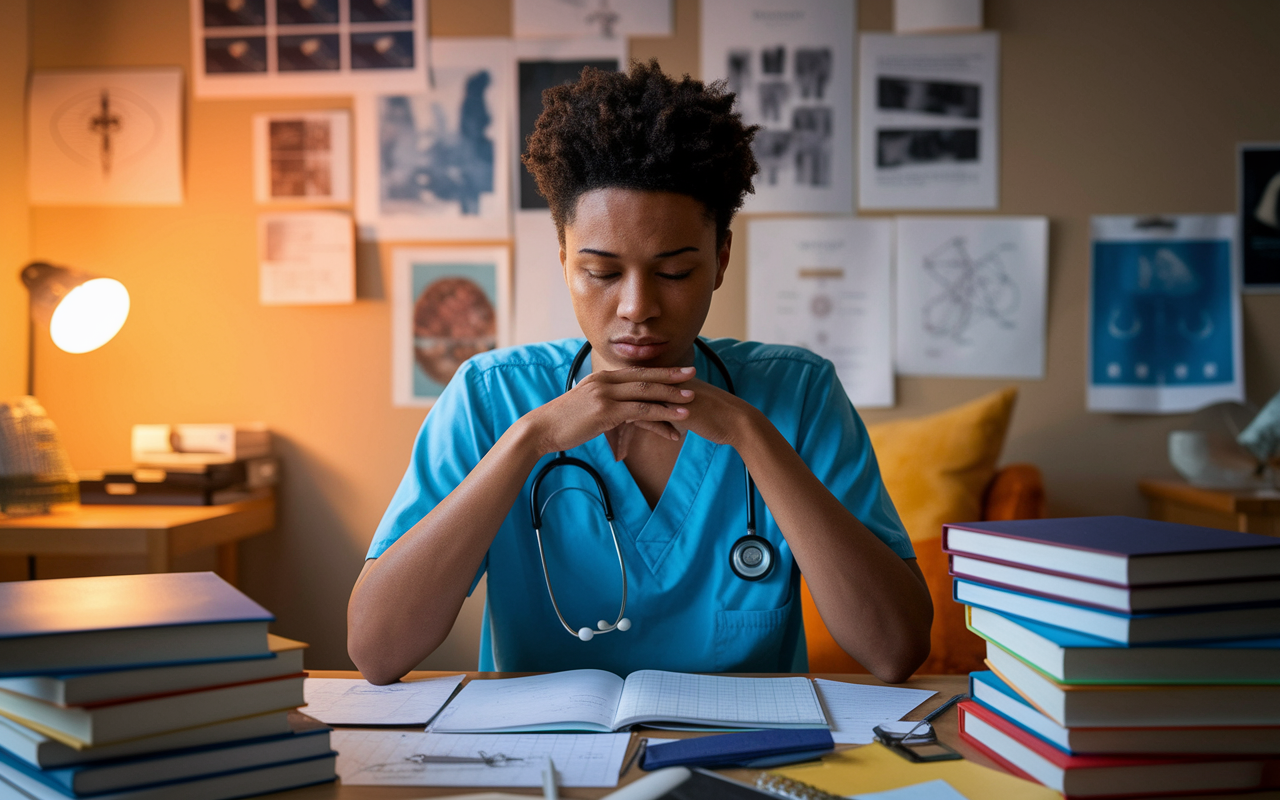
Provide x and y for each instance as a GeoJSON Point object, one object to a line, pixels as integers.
{"type": "Point", "coordinates": [971, 295]}
{"type": "Point", "coordinates": [542, 64]}
{"type": "Point", "coordinates": [928, 121]}
{"type": "Point", "coordinates": [429, 162]}
{"type": "Point", "coordinates": [346, 701]}
{"type": "Point", "coordinates": [825, 285]}
{"type": "Point", "coordinates": [543, 311]}
{"type": "Point", "coordinates": [282, 48]}
{"type": "Point", "coordinates": [1164, 306]}
{"type": "Point", "coordinates": [609, 19]}
{"type": "Point", "coordinates": [306, 258]}
{"type": "Point", "coordinates": [398, 758]}
{"type": "Point", "coordinates": [853, 709]}
{"type": "Point", "coordinates": [790, 63]}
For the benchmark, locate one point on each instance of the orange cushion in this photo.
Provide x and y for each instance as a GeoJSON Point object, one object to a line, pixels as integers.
{"type": "Point", "coordinates": [936, 469]}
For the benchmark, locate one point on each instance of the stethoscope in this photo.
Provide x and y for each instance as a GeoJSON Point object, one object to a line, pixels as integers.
{"type": "Point", "coordinates": [751, 557]}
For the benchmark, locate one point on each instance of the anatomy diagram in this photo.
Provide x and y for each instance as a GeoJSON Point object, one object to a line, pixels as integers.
{"type": "Point", "coordinates": [968, 290]}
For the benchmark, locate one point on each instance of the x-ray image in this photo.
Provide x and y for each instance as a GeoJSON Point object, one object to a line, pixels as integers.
{"type": "Point", "coordinates": [943, 98]}
{"type": "Point", "coordinates": [895, 148]}
{"type": "Point", "coordinates": [1164, 325]}
{"type": "Point", "coordinates": [788, 64]}
{"type": "Point", "coordinates": [428, 163]}
{"type": "Point", "coordinates": [1260, 216]}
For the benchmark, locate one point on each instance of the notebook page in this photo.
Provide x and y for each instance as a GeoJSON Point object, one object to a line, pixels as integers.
{"type": "Point", "coordinates": [855, 708]}
{"type": "Point", "coordinates": [344, 701]}
{"type": "Point", "coordinates": [579, 699]}
{"type": "Point", "coordinates": [655, 695]}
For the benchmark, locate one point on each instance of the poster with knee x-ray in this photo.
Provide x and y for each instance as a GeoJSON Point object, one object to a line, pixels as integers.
{"type": "Point", "coordinates": [1164, 327]}
{"type": "Point", "coordinates": [790, 64]}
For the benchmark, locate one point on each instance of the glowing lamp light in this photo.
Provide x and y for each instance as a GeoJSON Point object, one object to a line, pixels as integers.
{"type": "Point", "coordinates": [83, 311]}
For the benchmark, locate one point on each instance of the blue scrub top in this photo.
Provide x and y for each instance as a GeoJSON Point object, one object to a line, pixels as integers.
{"type": "Point", "coordinates": [688, 610]}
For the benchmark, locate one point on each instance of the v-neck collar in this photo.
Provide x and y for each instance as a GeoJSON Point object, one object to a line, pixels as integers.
{"type": "Point", "coordinates": [653, 531]}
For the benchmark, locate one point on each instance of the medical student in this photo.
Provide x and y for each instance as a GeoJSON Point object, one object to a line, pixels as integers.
{"type": "Point", "coordinates": [643, 174]}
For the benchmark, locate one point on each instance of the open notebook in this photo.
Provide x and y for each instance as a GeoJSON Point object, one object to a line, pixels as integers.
{"type": "Point", "coordinates": [594, 700]}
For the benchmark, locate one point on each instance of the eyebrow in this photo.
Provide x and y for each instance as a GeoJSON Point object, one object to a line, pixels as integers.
{"type": "Point", "coordinates": [667, 254]}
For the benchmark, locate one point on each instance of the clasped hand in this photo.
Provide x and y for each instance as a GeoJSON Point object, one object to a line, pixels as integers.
{"type": "Point", "coordinates": [664, 401]}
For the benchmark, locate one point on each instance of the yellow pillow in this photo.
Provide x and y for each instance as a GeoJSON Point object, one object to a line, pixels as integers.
{"type": "Point", "coordinates": [936, 469]}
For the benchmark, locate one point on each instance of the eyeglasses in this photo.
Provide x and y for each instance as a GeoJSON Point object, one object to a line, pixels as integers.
{"type": "Point", "coordinates": [920, 742]}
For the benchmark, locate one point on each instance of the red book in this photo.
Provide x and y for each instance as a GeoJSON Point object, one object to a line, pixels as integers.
{"type": "Point", "coordinates": [1026, 756]}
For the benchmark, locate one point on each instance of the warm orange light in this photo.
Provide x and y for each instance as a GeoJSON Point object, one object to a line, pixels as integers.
{"type": "Point", "coordinates": [89, 315]}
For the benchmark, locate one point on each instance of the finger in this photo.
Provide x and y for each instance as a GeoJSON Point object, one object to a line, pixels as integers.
{"type": "Point", "coordinates": [640, 411]}
{"type": "Point", "coordinates": [646, 375]}
{"type": "Point", "coordinates": [648, 392]}
{"type": "Point", "coordinates": [664, 429]}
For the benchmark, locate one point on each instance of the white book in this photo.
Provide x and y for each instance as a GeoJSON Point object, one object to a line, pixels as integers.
{"type": "Point", "coordinates": [595, 700]}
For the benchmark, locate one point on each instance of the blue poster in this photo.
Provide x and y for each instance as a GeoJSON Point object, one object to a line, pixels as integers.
{"type": "Point", "coordinates": [1164, 323]}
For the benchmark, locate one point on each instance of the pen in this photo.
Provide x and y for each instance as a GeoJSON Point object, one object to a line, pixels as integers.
{"type": "Point", "coordinates": [549, 791]}
{"type": "Point", "coordinates": [936, 713]}
{"type": "Point", "coordinates": [636, 755]}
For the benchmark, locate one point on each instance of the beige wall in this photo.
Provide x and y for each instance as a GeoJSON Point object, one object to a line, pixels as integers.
{"type": "Point", "coordinates": [1107, 107]}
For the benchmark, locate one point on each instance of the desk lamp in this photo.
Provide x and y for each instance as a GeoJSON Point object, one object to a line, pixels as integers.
{"type": "Point", "coordinates": [83, 313]}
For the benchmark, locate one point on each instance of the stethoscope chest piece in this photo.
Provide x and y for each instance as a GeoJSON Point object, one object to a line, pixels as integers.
{"type": "Point", "coordinates": [751, 557]}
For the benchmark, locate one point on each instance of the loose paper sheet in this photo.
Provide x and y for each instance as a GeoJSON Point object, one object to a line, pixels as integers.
{"type": "Point", "coordinates": [387, 758]}
{"type": "Point", "coordinates": [928, 121]}
{"type": "Point", "coordinates": [428, 161]}
{"type": "Point", "coordinates": [932, 16]}
{"type": "Point", "coordinates": [302, 157]}
{"type": "Point", "coordinates": [1164, 327]}
{"type": "Point", "coordinates": [1260, 217]}
{"type": "Point", "coordinates": [790, 63]}
{"type": "Point", "coordinates": [345, 701]}
{"type": "Point", "coordinates": [929, 790]}
{"type": "Point", "coordinates": [824, 284]}
{"type": "Point", "coordinates": [609, 19]}
{"type": "Point", "coordinates": [971, 296]}
{"type": "Point", "coordinates": [281, 48]}
{"type": "Point", "coordinates": [543, 309]}
{"type": "Point", "coordinates": [105, 137]}
{"type": "Point", "coordinates": [542, 64]}
{"type": "Point", "coordinates": [448, 304]}
{"type": "Point", "coordinates": [853, 709]}
{"type": "Point", "coordinates": [306, 258]}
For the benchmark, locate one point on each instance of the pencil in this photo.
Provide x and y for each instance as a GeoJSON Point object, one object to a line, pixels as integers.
{"type": "Point", "coordinates": [549, 791]}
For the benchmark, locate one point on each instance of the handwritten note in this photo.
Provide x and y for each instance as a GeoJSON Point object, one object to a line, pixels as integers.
{"type": "Point", "coordinates": [399, 758]}
{"type": "Point", "coordinates": [342, 701]}
{"type": "Point", "coordinates": [853, 709]}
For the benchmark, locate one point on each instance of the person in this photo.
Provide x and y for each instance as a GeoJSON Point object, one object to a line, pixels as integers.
{"type": "Point", "coordinates": [643, 174]}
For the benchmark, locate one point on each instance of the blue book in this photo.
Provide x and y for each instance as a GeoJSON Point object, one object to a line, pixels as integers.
{"type": "Point", "coordinates": [750, 749]}
{"type": "Point", "coordinates": [1124, 551]}
{"type": "Point", "coordinates": [306, 739]}
{"type": "Point", "coordinates": [987, 689]}
{"type": "Point", "coordinates": [1076, 658]}
{"type": "Point", "coordinates": [1240, 622]}
{"type": "Point", "coordinates": [69, 624]}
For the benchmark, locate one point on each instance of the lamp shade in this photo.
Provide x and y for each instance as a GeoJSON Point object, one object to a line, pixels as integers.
{"type": "Point", "coordinates": [83, 311]}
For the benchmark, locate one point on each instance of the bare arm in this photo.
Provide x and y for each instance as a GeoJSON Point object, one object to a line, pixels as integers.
{"type": "Point", "coordinates": [405, 601]}
{"type": "Point", "coordinates": [875, 603]}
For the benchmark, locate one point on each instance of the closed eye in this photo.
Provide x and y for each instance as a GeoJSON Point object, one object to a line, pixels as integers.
{"type": "Point", "coordinates": [675, 276]}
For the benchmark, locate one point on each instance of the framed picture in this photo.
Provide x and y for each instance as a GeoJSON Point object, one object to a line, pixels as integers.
{"type": "Point", "coordinates": [302, 157]}
{"type": "Point", "coordinates": [429, 163]}
{"type": "Point", "coordinates": [275, 48]}
{"type": "Point", "coordinates": [1260, 216]}
{"type": "Point", "coordinates": [448, 304]}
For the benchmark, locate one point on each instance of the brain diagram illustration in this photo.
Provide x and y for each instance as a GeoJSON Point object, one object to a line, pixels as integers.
{"type": "Point", "coordinates": [968, 289]}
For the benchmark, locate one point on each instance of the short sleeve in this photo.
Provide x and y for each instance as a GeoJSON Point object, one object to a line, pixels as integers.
{"type": "Point", "coordinates": [456, 434]}
{"type": "Point", "coordinates": [834, 443]}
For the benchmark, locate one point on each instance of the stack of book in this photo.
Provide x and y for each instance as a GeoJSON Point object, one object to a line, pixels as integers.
{"type": "Point", "coordinates": [1126, 657]}
{"type": "Point", "coordinates": [150, 686]}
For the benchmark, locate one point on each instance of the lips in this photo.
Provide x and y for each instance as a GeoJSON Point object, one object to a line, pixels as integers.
{"type": "Point", "coordinates": [638, 348]}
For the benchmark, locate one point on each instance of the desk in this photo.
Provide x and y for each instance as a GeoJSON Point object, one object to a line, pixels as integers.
{"type": "Point", "coordinates": [944, 685]}
{"type": "Point", "coordinates": [1179, 501]}
{"type": "Point", "coordinates": [158, 532]}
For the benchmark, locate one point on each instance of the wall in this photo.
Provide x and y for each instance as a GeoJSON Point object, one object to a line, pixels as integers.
{"type": "Point", "coordinates": [14, 221]}
{"type": "Point", "coordinates": [1106, 108]}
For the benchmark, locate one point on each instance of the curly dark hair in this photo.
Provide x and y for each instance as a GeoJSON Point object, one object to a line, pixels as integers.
{"type": "Point", "coordinates": [645, 130]}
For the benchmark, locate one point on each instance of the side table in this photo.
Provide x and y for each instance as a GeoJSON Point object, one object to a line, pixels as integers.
{"type": "Point", "coordinates": [1245, 511]}
{"type": "Point", "coordinates": [158, 532]}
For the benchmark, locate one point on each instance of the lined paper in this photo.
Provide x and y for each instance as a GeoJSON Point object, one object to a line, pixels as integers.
{"type": "Point", "coordinates": [855, 708]}
{"type": "Point", "coordinates": [346, 701]}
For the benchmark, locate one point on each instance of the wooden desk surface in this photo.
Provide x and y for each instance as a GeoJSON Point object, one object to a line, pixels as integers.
{"type": "Point", "coordinates": [129, 517]}
{"type": "Point", "coordinates": [1222, 500]}
{"type": "Point", "coordinates": [944, 685]}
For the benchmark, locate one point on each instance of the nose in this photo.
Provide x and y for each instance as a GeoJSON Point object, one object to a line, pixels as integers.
{"type": "Point", "coordinates": [638, 300]}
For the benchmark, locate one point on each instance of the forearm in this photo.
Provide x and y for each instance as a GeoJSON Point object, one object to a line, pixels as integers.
{"type": "Point", "coordinates": [875, 605]}
{"type": "Point", "coordinates": [405, 602]}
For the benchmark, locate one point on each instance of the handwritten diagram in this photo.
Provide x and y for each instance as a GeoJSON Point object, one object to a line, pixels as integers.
{"type": "Point", "coordinates": [969, 290]}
